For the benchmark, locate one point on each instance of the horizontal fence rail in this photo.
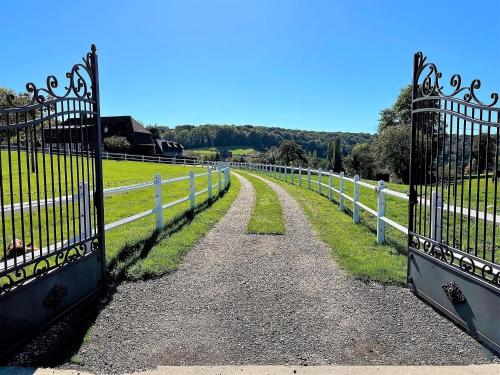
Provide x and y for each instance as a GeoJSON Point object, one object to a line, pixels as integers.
{"type": "Point", "coordinates": [303, 177]}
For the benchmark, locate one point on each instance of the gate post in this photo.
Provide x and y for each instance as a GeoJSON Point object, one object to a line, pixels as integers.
{"type": "Point", "coordinates": [98, 148]}
{"type": "Point", "coordinates": [436, 209]}
{"type": "Point", "coordinates": [309, 178]}
{"type": "Point", "coordinates": [355, 208]}
{"type": "Point", "coordinates": [191, 190]}
{"type": "Point", "coordinates": [380, 212]}
{"type": "Point", "coordinates": [330, 177]}
{"type": "Point", "coordinates": [158, 202]}
{"type": "Point", "coordinates": [341, 194]}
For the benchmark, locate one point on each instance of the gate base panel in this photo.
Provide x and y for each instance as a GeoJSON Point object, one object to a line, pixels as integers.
{"type": "Point", "coordinates": [478, 313]}
{"type": "Point", "coordinates": [24, 311]}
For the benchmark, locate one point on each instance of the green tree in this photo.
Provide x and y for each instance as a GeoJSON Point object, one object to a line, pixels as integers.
{"type": "Point", "coordinates": [337, 156]}
{"type": "Point", "coordinates": [271, 156]}
{"type": "Point", "coordinates": [361, 161]}
{"type": "Point", "coordinates": [392, 144]}
{"type": "Point", "coordinates": [290, 152]}
{"type": "Point", "coordinates": [116, 143]}
{"type": "Point", "coordinates": [392, 150]}
{"type": "Point", "coordinates": [483, 151]}
{"type": "Point", "coordinates": [330, 153]}
{"type": "Point", "coordinates": [399, 113]}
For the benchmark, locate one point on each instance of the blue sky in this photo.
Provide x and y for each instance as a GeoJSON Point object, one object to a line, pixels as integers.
{"type": "Point", "coordinates": [318, 65]}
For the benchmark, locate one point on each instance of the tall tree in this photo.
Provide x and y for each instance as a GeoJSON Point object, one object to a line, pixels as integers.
{"type": "Point", "coordinates": [330, 153]}
{"type": "Point", "coordinates": [392, 144]}
{"type": "Point", "coordinates": [337, 156]}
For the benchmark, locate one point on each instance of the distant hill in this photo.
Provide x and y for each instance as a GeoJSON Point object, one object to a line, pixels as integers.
{"type": "Point", "coordinates": [257, 137]}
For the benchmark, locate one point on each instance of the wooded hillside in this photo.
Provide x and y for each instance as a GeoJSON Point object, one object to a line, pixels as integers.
{"type": "Point", "coordinates": [258, 137]}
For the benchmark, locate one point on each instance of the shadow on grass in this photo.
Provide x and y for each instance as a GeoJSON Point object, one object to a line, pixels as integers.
{"type": "Point", "coordinates": [130, 255]}
{"type": "Point", "coordinates": [60, 342]}
{"type": "Point", "coordinates": [400, 247]}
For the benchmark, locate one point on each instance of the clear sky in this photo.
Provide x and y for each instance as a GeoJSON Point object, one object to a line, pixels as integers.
{"type": "Point", "coordinates": [319, 65]}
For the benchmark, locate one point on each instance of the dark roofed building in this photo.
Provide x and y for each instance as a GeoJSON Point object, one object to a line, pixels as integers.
{"type": "Point", "coordinates": [125, 126]}
{"type": "Point", "coordinates": [168, 148]}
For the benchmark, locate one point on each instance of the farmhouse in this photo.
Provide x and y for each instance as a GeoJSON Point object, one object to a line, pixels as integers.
{"type": "Point", "coordinates": [73, 132]}
{"type": "Point", "coordinates": [168, 148]}
{"type": "Point", "coordinates": [126, 126]}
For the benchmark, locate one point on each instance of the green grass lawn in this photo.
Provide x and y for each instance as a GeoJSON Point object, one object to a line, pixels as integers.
{"type": "Point", "coordinates": [353, 246]}
{"type": "Point", "coordinates": [119, 240]}
{"type": "Point", "coordinates": [235, 150]}
{"type": "Point", "coordinates": [267, 214]}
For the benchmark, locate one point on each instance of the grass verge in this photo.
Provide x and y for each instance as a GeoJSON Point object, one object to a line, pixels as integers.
{"type": "Point", "coordinates": [267, 214]}
{"type": "Point", "coordinates": [353, 246]}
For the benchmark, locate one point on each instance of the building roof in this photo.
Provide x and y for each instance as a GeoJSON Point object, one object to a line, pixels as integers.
{"type": "Point", "coordinates": [164, 145]}
{"type": "Point", "coordinates": [128, 127]}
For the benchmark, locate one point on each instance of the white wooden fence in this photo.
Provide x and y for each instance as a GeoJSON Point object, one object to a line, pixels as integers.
{"type": "Point", "coordinates": [223, 180]}
{"type": "Point", "coordinates": [435, 203]}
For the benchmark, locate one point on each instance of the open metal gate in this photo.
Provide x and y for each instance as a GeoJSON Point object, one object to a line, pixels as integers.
{"type": "Point", "coordinates": [51, 201]}
{"type": "Point", "coordinates": [454, 257]}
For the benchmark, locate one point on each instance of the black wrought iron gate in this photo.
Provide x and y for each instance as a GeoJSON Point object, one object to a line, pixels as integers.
{"type": "Point", "coordinates": [454, 257]}
{"type": "Point", "coordinates": [51, 201]}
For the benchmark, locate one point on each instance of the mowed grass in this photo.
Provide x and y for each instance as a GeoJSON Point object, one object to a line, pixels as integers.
{"type": "Point", "coordinates": [235, 150]}
{"type": "Point", "coordinates": [466, 232]}
{"type": "Point", "coordinates": [353, 246]}
{"type": "Point", "coordinates": [121, 242]}
{"type": "Point", "coordinates": [267, 214]}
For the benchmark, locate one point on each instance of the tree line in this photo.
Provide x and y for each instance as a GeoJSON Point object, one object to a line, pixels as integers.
{"type": "Point", "coordinates": [259, 137]}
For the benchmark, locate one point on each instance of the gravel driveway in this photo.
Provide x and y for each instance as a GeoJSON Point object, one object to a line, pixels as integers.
{"type": "Point", "coordinates": [261, 299]}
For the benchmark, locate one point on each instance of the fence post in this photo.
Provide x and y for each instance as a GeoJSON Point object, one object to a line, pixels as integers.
{"type": "Point", "coordinates": [309, 178]}
{"type": "Point", "coordinates": [380, 212]}
{"type": "Point", "coordinates": [219, 180]}
{"type": "Point", "coordinates": [124, 156]}
{"type": "Point", "coordinates": [143, 158]}
{"type": "Point", "coordinates": [300, 176]}
{"type": "Point", "coordinates": [341, 194]}
{"type": "Point", "coordinates": [225, 177]}
{"type": "Point", "coordinates": [158, 202]}
{"type": "Point", "coordinates": [330, 177]}
{"type": "Point", "coordinates": [319, 181]}
{"type": "Point", "coordinates": [85, 228]}
{"type": "Point", "coordinates": [209, 187]}
{"type": "Point", "coordinates": [436, 208]}
{"type": "Point", "coordinates": [191, 190]}
{"type": "Point", "coordinates": [355, 208]}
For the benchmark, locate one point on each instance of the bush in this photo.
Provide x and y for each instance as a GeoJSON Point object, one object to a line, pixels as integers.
{"type": "Point", "coordinates": [117, 144]}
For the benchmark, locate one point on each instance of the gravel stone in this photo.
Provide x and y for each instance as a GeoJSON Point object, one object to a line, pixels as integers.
{"type": "Point", "coordinates": [241, 299]}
